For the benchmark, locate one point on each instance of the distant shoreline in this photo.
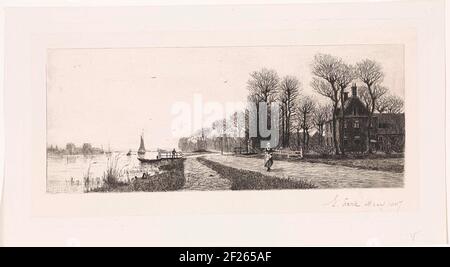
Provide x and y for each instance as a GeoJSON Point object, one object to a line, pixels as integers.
{"type": "Point", "coordinates": [73, 154]}
{"type": "Point", "coordinates": [65, 153]}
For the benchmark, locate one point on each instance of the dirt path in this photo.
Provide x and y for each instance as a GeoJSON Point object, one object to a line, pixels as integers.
{"type": "Point", "coordinates": [322, 175]}
{"type": "Point", "coordinates": [199, 177]}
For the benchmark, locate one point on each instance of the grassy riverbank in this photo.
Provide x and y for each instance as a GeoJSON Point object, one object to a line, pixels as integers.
{"type": "Point", "coordinates": [250, 180]}
{"type": "Point", "coordinates": [170, 179]}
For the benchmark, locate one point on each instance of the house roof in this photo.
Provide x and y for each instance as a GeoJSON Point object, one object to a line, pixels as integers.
{"type": "Point", "coordinates": [352, 102]}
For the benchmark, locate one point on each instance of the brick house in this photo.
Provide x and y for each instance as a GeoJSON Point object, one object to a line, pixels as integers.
{"type": "Point", "coordinates": [387, 131]}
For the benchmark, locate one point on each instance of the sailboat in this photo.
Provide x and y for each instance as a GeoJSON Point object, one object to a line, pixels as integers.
{"type": "Point", "coordinates": [141, 150]}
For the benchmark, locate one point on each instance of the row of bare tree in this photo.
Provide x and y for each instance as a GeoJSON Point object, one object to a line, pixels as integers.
{"type": "Point", "coordinates": [300, 113]}
{"type": "Point", "coordinates": [332, 76]}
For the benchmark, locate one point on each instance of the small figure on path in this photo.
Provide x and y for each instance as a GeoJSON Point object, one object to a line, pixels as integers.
{"type": "Point", "coordinates": [174, 152]}
{"type": "Point", "coordinates": [268, 159]}
{"type": "Point", "coordinates": [86, 184]}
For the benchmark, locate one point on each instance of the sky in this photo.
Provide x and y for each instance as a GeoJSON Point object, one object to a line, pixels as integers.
{"type": "Point", "coordinates": [108, 97]}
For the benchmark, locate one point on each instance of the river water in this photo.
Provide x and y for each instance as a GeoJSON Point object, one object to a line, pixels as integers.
{"type": "Point", "coordinates": [65, 173]}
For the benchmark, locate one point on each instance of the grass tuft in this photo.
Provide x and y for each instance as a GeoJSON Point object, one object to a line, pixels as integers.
{"type": "Point", "coordinates": [112, 173]}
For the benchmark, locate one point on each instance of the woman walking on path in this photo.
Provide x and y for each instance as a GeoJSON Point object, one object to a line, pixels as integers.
{"type": "Point", "coordinates": [268, 157]}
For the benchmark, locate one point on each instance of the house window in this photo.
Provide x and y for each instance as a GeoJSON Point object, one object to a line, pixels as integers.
{"type": "Point", "coordinates": [354, 111]}
{"type": "Point", "coordinates": [345, 124]}
{"type": "Point", "coordinates": [356, 124]}
{"type": "Point", "coordinates": [380, 139]}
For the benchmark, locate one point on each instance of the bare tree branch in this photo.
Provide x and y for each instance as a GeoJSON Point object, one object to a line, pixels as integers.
{"type": "Point", "coordinates": [326, 69]}
{"type": "Point", "coordinates": [304, 117]}
{"type": "Point", "coordinates": [369, 72]}
{"type": "Point", "coordinates": [324, 88]}
{"type": "Point", "coordinates": [382, 104]}
{"type": "Point", "coordinates": [345, 75]}
{"type": "Point", "coordinates": [395, 104]}
{"type": "Point", "coordinates": [263, 85]}
{"type": "Point", "coordinates": [325, 66]}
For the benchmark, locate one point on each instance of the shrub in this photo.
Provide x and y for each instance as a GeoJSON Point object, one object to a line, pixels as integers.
{"type": "Point", "coordinates": [171, 179]}
{"type": "Point", "coordinates": [112, 173]}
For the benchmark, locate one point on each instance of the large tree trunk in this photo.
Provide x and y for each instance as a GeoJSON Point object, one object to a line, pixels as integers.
{"type": "Point", "coordinates": [256, 139]}
{"type": "Point", "coordinates": [320, 134]}
{"type": "Point", "coordinates": [335, 141]}
{"type": "Point", "coordinates": [286, 131]}
{"type": "Point", "coordinates": [307, 138]}
{"type": "Point", "coordinates": [304, 131]}
{"type": "Point", "coordinates": [342, 129]}
{"type": "Point", "coordinates": [336, 102]}
{"type": "Point", "coordinates": [247, 132]}
{"type": "Point", "coordinates": [283, 132]}
{"type": "Point", "coordinates": [369, 121]}
{"type": "Point", "coordinates": [304, 140]}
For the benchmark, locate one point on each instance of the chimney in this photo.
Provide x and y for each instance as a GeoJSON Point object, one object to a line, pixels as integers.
{"type": "Point", "coordinates": [354, 90]}
{"type": "Point", "coordinates": [345, 96]}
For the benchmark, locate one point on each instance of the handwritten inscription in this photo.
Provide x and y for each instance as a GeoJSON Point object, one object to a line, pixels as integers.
{"type": "Point", "coordinates": [348, 202]}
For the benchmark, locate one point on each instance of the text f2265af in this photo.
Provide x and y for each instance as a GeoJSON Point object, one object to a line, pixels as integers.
{"type": "Point", "coordinates": [246, 256]}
